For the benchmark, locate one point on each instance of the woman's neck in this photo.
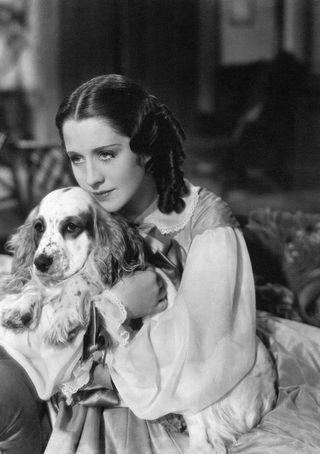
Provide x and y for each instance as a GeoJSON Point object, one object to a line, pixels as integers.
{"type": "Point", "coordinates": [142, 199]}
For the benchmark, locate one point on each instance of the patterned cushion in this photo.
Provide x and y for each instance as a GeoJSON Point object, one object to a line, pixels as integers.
{"type": "Point", "coordinates": [285, 253]}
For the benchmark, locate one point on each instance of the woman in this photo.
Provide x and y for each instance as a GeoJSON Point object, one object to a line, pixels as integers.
{"type": "Point", "coordinates": [125, 148]}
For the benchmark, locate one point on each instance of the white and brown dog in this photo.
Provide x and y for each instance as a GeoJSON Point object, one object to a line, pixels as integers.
{"type": "Point", "coordinates": [69, 249]}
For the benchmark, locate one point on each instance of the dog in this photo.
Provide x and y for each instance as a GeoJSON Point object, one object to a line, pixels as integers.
{"type": "Point", "coordinates": [70, 249]}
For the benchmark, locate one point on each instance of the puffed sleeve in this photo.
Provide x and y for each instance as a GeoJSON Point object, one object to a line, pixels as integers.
{"type": "Point", "coordinates": [192, 354]}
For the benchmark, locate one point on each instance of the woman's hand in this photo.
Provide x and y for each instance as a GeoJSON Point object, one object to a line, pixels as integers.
{"type": "Point", "coordinates": [142, 293]}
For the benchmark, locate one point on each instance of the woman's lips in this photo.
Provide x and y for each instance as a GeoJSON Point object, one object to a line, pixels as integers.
{"type": "Point", "coordinates": [102, 195]}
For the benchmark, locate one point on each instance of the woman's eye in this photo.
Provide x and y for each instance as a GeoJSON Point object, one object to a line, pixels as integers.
{"type": "Point", "coordinates": [76, 160]}
{"type": "Point", "coordinates": [71, 227]}
{"type": "Point", "coordinates": [39, 227]}
{"type": "Point", "coordinates": [105, 155]}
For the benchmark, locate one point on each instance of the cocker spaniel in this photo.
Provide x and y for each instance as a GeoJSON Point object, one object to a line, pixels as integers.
{"type": "Point", "coordinates": [68, 250]}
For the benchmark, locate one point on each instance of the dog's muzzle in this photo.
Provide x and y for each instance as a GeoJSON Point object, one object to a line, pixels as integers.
{"type": "Point", "coordinates": [43, 262]}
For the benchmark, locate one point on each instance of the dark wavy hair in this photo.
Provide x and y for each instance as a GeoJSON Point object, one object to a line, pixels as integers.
{"type": "Point", "coordinates": [152, 128]}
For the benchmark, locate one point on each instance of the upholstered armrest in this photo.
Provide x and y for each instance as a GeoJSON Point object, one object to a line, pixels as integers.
{"type": "Point", "coordinates": [285, 254]}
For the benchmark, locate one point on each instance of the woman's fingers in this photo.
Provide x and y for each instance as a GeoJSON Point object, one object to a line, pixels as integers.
{"type": "Point", "coordinates": [141, 292]}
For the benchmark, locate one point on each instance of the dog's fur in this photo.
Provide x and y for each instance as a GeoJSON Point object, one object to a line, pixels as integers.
{"type": "Point", "coordinates": [68, 250]}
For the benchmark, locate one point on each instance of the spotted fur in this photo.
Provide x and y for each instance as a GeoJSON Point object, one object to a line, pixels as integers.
{"type": "Point", "coordinates": [68, 249]}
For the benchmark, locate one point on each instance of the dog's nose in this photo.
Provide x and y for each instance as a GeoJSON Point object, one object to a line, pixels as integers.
{"type": "Point", "coordinates": [43, 262]}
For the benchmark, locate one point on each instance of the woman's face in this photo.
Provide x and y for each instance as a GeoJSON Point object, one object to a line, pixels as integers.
{"type": "Point", "coordinates": [104, 165]}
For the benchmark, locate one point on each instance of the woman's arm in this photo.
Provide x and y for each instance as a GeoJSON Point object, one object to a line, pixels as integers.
{"type": "Point", "coordinates": [204, 343]}
{"type": "Point", "coordinates": [136, 295]}
{"type": "Point", "coordinates": [142, 293]}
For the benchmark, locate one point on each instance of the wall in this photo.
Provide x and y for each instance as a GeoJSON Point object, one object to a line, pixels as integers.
{"type": "Point", "coordinates": [295, 28]}
{"type": "Point", "coordinates": [208, 55]}
{"type": "Point", "coordinates": [172, 47]}
{"type": "Point", "coordinates": [47, 96]}
{"type": "Point", "coordinates": [315, 38]}
{"type": "Point", "coordinates": [231, 33]}
{"type": "Point", "coordinates": [248, 31]}
{"type": "Point", "coordinates": [152, 42]}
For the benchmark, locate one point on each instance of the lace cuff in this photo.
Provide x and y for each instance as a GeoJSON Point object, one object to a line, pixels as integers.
{"type": "Point", "coordinates": [80, 378]}
{"type": "Point", "coordinates": [114, 314]}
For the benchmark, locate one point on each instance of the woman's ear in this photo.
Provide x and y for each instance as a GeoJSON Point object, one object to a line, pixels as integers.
{"type": "Point", "coordinates": [23, 245]}
{"type": "Point", "coordinates": [147, 163]}
{"type": "Point", "coordinates": [146, 159]}
{"type": "Point", "coordinates": [143, 159]}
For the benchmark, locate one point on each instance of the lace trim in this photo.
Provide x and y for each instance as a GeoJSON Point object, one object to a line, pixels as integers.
{"type": "Point", "coordinates": [81, 377]}
{"type": "Point", "coordinates": [114, 314]}
{"type": "Point", "coordinates": [190, 207]}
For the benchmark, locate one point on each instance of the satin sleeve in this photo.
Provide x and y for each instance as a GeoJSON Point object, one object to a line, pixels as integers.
{"type": "Point", "coordinates": [192, 354]}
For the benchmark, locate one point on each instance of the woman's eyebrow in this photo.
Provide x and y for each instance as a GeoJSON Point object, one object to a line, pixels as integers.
{"type": "Point", "coordinates": [106, 147]}
{"type": "Point", "coordinates": [98, 149]}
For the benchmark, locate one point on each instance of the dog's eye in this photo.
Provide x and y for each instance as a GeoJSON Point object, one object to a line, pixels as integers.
{"type": "Point", "coordinates": [71, 227]}
{"type": "Point", "coordinates": [39, 227]}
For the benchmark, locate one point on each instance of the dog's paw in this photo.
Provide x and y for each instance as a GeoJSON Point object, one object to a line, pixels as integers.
{"type": "Point", "coordinates": [20, 318]}
{"type": "Point", "coordinates": [62, 333]}
{"type": "Point", "coordinates": [67, 323]}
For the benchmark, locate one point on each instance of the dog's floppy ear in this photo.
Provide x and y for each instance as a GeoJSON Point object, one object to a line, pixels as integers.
{"type": "Point", "coordinates": [22, 244]}
{"type": "Point", "coordinates": [119, 247]}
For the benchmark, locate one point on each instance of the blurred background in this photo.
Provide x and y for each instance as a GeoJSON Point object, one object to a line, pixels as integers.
{"type": "Point", "coordinates": [242, 76]}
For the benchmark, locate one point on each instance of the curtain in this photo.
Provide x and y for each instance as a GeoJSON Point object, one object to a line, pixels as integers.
{"type": "Point", "coordinates": [152, 41]}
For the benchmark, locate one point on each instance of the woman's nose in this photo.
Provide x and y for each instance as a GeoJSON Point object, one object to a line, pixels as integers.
{"type": "Point", "coordinates": [94, 176]}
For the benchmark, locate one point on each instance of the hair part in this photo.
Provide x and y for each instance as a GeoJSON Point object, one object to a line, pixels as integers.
{"type": "Point", "coordinates": [152, 128]}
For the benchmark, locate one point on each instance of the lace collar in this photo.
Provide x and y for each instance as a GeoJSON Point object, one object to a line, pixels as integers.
{"type": "Point", "coordinates": [173, 222]}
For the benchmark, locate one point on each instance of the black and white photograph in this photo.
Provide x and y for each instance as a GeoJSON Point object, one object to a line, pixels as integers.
{"type": "Point", "coordinates": [159, 226]}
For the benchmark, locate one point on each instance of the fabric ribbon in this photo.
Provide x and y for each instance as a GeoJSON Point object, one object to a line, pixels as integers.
{"type": "Point", "coordinates": [163, 252]}
{"type": "Point", "coordinates": [99, 392]}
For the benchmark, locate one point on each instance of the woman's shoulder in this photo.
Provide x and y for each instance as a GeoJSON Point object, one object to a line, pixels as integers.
{"type": "Point", "coordinates": [211, 211]}
{"type": "Point", "coordinates": [203, 210]}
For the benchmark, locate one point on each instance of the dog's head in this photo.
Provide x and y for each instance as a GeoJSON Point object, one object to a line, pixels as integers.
{"type": "Point", "coordinates": [64, 229]}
